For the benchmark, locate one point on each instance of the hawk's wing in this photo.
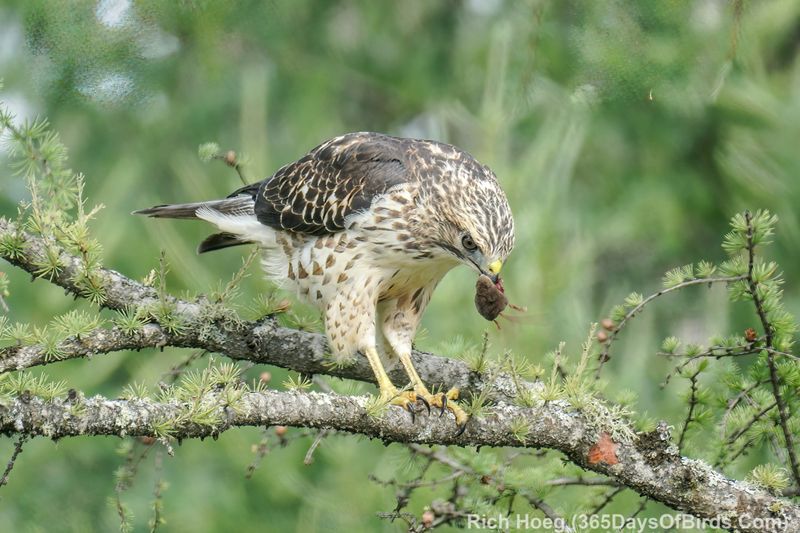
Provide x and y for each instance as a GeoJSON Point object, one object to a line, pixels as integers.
{"type": "Point", "coordinates": [337, 178]}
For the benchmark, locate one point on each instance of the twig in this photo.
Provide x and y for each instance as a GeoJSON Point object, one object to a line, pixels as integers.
{"type": "Point", "coordinates": [608, 499]}
{"type": "Point", "coordinates": [175, 372]}
{"type": "Point", "coordinates": [158, 488]}
{"type": "Point", "coordinates": [604, 354]}
{"type": "Point", "coordinates": [773, 371]}
{"type": "Point", "coordinates": [733, 402]}
{"type": "Point", "coordinates": [692, 405]}
{"type": "Point", "coordinates": [309, 458]}
{"type": "Point", "coordinates": [11, 462]}
{"type": "Point", "coordinates": [580, 480]}
{"type": "Point", "coordinates": [548, 511]}
{"type": "Point", "coordinates": [741, 431]}
{"type": "Point", "coordinates": [231, 159]}
{"type": "Point", "coordinates": [642, 506]}
{"type": "Point", "coordinates": [261, 451]}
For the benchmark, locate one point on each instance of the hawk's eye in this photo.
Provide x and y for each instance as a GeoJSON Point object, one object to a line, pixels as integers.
{"type": "Point", "coordinates": [468, 244]}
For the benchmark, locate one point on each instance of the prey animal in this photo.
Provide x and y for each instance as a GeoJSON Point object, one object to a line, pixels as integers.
{"type": "Point", "coordinates": [364, 226]}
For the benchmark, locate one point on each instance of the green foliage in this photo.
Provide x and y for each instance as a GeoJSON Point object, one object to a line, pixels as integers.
{"type": "Point", "coordinates": [12, 246]}
{"type": "Point", "coordinates": [375, 406]}
{"type": "Point", "coordinates": [476, 406]}
{"type": "Point", "coordinates": [621, 147]}
{"type": "Point", "coordinates": [770, 477]}
{"type": "Point", "coordinates": [134, 391]}
{"type": "Point", "coordinates": [76, 323]}
{"type": "Point", "coordinates": [28, 383]}
{"type": "Point", "coordinates": [207, 151]}
{"type": "Point", "coordinates": [670, 344]}
{"type": "Point", "coordinates": [520, 429]}
{"type": "Point", "coordinates": [130, 321]}
{"type": "Point", "coordinates": [678, 275]}
{"type": "Point", "coordinates": [299, 383]}
{"type": "Point", "coordinates": [747, 415]}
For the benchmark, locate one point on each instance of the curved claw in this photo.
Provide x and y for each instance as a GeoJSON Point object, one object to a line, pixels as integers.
{"type": "Point", "coordinates": [425, 402]}
{"type": "Point", "coordinates": [444, 405]}
{"type": "Point", "coordinates": [461, 429]}
{"type": "Point", "coordinates": [412, 411]}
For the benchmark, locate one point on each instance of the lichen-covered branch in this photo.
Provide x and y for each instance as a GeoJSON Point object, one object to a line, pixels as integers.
{"type": "Point", "coordinates": [211, 327]}
{"type": "Point", "coordinates": [648, 464]}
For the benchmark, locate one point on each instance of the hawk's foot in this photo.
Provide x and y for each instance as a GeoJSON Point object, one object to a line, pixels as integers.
{"type": "Point", "coordinates": [446, 401]}
{"type": "Point", "coordinates": [407, 400]}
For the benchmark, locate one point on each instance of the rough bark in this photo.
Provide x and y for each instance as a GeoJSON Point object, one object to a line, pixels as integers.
{"type": "Point", "coordinates": [649, 464]}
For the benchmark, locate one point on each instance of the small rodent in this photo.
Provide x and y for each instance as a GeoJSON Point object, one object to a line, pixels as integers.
{"type": "Point", "coordinates": [490, 299]}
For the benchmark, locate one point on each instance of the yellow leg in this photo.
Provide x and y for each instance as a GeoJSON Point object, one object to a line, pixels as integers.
{"type": "Point", "coordinates": [388, 391]}
{"type": "Point", "coordinates": [435, 400]}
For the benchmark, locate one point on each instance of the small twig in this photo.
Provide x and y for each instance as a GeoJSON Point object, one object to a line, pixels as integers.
{"type": "Point", "coordinates": [322, 433]}
{"type": "Point", "coordinates": [580, 480]}
{"type": "Point", "coordinates": [709, 353]}
{"type": "Point", "coordinates": [732, 403]}
{"type": "Point", "coordinates": [773, 370]}
{"type": "Point", "coordinates": [604, 354]}
{"type": "Point", "coordinates": [642, 505]}
{"type": "Point", "coordinates": [549, 512]}
{"type": "Point", "coordinates": [240, 274]}
{"type": "Point", "coordinates": [417, 483]}
{"type": "Point", "coordinates": [231, 159]}
{"type": "Point", "coordinates": [17, 450]}
{"type": "Point", "coordinates": [129, 471]}
{"type": "Point", "coordinates": [608, 499]}
{"type": "Point", "coordinates": [445, 459]}
{"type": "Point", "coordinates": [261, 451]}
{"type": "Point", "coordinates": [175, 372]}
{"type": "Point", "coordinates": [309, 458]}
{"type": "Point", "coordinates": [758, 416]}
{"type": "Point", "coordinates": [158, 488]}
{"type": "Point", "coordinates": [692, 405]}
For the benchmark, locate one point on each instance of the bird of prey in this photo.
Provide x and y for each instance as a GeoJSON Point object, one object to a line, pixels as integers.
{"type": "Point", "coordinates": [365, 226]}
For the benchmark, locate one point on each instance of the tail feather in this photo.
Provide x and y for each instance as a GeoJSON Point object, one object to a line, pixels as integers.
{"type": "Point", "coordinates": [235, 216]}
{"type": "Point", "coordinates": [218, 241]}
{"type": "Point", "coordinates": [237, 205]}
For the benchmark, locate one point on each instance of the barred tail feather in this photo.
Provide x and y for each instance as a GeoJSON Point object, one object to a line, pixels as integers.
{"type": "Point", "coordinates": [233, 216]}
{"type": "Point", "coordinates": [238, 205]}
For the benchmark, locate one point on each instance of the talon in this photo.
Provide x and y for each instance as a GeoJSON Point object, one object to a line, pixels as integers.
{"type": "Point", "coordinates": [425, 402]}
{"type": "Point", "coordinates": [412, 411]}
{"type": "Point", "coordinates": [444, 405]}
{"type": "Point", "coordinates": [461, 428]}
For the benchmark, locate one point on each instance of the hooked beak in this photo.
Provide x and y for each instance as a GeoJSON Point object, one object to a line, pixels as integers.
{"type": "Point", "coordinates": [494, 270]}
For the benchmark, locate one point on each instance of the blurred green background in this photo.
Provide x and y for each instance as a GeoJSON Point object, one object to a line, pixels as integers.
{"type": "Point", "coordinates": [625, 133]}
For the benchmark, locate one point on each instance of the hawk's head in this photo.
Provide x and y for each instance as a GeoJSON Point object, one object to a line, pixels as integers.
{"type": "Point", "coordinates": [472, 220]}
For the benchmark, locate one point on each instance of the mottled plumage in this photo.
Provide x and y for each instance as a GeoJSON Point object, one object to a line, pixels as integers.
{"type": "Point", "coordinates": [365, 226]}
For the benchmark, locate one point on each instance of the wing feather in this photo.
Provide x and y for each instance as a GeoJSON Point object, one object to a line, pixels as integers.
{"type": "Point", "coordinates": [340, 177]}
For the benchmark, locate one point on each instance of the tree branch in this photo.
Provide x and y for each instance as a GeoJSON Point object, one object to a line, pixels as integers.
{"type": "Point", "coordinates": [648, 465]}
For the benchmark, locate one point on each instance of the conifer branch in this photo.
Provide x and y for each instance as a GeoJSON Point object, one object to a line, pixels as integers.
{"type": "Point", "coordinates": [647, 465]}
{"type": "Point", "coordinates": [775, 380]}
{"type": "Point", "coordinates": [639, 307]}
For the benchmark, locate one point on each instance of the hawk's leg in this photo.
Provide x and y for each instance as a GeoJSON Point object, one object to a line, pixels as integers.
{"type": "Point", "coordinates": [398, 322]}
{"type": "Point", "coordinates": [388, 391]}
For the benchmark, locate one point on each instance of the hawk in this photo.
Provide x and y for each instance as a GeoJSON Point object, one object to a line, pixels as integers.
{"type": "Point", "coordinates": [364, 226]}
